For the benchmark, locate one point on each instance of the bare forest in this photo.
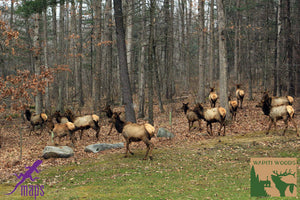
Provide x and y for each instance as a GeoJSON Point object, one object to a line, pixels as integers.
{"type": "Point", "coordinates": [148, 58]}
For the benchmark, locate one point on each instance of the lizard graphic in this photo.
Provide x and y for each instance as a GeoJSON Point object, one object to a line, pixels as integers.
{"type": "Point", "coordinates": [27, 174]}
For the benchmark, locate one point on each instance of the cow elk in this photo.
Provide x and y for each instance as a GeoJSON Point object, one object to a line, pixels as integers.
{"type": "Point", "coordinates": [213, 97]}
{"type": "Point", "coordinates": [36, 120]}
{"type": "Point", "coordinates": [212, 115]}
{"type": "Point", "coordinates": [84, 122]}
{"type": "Point", "coordinates": [62, 130]}
{"type": "Point", "coordinates": [190, 115]}
{"type": "Point", "coordinates": [277, 101]}
{"type": "Point", "coordinates": [109, 114]}
{"type": "Point", "coordinates": [233, 105]}
{"type": "Point", "coordinates": [240, 94]}
{"type": "Point", "coordinates": [133, 132]}
{"type": "Point", "coordinates": [275, 113]}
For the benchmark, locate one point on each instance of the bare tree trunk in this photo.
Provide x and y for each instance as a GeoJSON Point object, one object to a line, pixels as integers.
{"type": "Point", "coordinates": [80, 54]}
{"type": "Point", "coordinates": [45, 48]}
{"type": "Point", "coordinates": [223, 58]}
{"type": "Point", "coordinates": [129, 26]}
{"type": "Point", "coordinates": [151, 61]}
{"type": "Point", "coordinates": [289, 48]}
{"type": "Point", "coordinates": [211, 43]}
{"type": "Point", "coordinates": [169, 79]}
{"type": "Point", "coordinates": [61, 56]}
{"type": "Point", "coordinates": [108, 50]}
{"type": "Point", "coordinates": [124, 76]}
{"type": "Point", "coordinates": [236, 44]}
{"type": "Point", "coordinates": [74, 49]}
{"type": "Point", "coordinates": [276, 90]}
{"type": "Point", "coordinates": [36, 59]}
{"type": "Point", "coordinates": [98, 57]}
{"type": "Point", "coordinates": [201, 91]}
{"type": "Point", "coordinates": [141, 112]}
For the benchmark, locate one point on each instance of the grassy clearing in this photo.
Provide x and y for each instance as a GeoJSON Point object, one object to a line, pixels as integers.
{"type": "Point", "coordinates": [211, 169]}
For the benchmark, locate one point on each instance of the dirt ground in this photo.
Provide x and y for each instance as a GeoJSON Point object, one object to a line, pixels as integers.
{"type": "Point", "coordinates": [249, 119]}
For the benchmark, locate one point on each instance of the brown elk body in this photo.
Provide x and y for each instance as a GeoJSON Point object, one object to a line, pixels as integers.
{"type": "Point", "coordinates": [213, 97]}
{"type": "Point", "coordinates": [59, 118]}
{"type": "Point", "coordinates": [84, 122]}
{"type": "Point", "coordinates": [109, 114]}
{"type": "Point", "coordinates": [233, 105]}
{"type": "Point", "coordinates": [240, 94]}
{"type": "Point", "coordinates": [133, 132]}
{"type": "Point", "coordinates": [212, 115]}
{"type": "Point", "coordinates": [62, 130]}
{"type": "Point", "coordinates": [275, 113]}
{"type": "Point", "coordinates": [190, 115]}
{"type": "Point", "coordinates": [36, 120]}
{"type": "Point", "coordinates": [278, 101]}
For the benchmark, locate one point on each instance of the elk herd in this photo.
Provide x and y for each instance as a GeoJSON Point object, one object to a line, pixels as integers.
{"type": "Point", "coordinates": [61, 125]}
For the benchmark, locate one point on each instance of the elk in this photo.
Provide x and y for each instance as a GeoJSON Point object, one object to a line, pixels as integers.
{"type": "Point", "coordinates": [281, 185]}
{"type": "Point", "coordinates": [59, 118]}
{"type": "Point", "coordinates": [84, 122]}
{"type": "Point", "coordinates": [109, 114]}
{"type": "Point", "coordinates": [36, 120]}
{"type": "Point", "coordinates": [233, 105]}
{"type": "Point", "coordinates": [278, 101]}
{"type": "Point", "coordinates": [133, 132]}
{"type": "Point", "coordinates": [212, 115]}
{"type": "Point", "coordinates": [240, 94]}
{"type": "Point", "coordinates": [190, 115]}
{"type": "Point", "coordinates": [213, 97]}
{"type": "Point", "coordinates": [62, 130]}
{"type": "Point", "coordinates": [275, 113]}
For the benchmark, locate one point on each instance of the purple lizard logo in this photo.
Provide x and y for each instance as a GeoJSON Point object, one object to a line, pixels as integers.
{"type": "Point", "coordinates": [27, 175]}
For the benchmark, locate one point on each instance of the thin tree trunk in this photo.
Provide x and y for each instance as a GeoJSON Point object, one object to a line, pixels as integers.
{"type": "Point", "coordinates": [98, 57]}
{"type": "Point", "coordinates": [201, 91]}
{"type": "Point", "coordinates": [36, 59]}
{"type": "Point", "coordinates": [129, 26]}
{"type": "Point", "coordinates": [289, 48]}
{"type": "Point", "coordinates": [276, 90]}
{"type": "Point", "coordinates": [141, 112]}
{"type": "Point", "coordinates": [45, 48]}
{"type": "Point", "coordinates": [223, 58]}
{"type": "Point", "coordinates": [61, 57]}
{"type": "Point", "coordinates": [211, 43]}
{"type": "Point", "coordinates": [151, 61]}
{"type": "Point", "coordinates": [80, 54]}
{"type": "Point", "coordinates": [108, 50]}
{"type": "Point", "coordinates": [236, 43]}
{"type": "Point", "coordinates": [124, 76]}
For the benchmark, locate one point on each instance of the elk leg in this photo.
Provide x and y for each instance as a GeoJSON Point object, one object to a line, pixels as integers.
{"type": "Point", "coordinates": [207, 124]}
{"type": "Point", "coordinates": [199, 121]}
{"type": "Point", "coordinates": [97, 129]}
{"type": "Point", "coordinates": [286, 126]}
{"type": "Point", "coordinates": [295, 126]}
{"type": "Point", "coordinates": [72, 138]}
{"type": "Point", "coordinates": [270, 125]}
{"type": "Point", "coordinates": [81, 132]}
{"type": "Point", "coordinates": [112, 124]}
{"type": "Point", "coordinates": [210, 125]}
{"type": "Point", "coordinates": [149, 149]}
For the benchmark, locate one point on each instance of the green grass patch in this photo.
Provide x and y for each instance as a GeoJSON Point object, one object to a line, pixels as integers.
{"type": "Point", "coordinates": [211, 169]}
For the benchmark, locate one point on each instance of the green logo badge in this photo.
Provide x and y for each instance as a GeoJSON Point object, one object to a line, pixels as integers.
{"type": "Point", "coordinates": [273, 177]}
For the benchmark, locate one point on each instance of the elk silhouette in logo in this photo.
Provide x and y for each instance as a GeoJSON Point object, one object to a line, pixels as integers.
{"type": "Point", "coordinates": [280, 185]}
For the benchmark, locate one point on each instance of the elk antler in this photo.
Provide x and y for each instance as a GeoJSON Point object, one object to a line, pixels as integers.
{"type": "Point", "coordinates": [286, 173]}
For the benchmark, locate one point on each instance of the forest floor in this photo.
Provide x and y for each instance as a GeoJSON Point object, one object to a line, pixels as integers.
{"type": "Point", "coordinates": [249, 129]}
